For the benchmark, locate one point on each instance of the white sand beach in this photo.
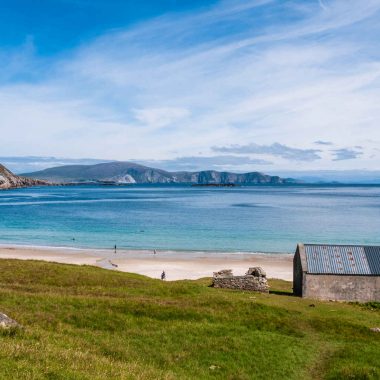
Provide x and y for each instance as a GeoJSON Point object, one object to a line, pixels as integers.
{"type": "Point", "coordinates": [178, 265]}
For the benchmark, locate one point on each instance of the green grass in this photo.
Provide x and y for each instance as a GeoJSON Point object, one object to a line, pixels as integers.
{"type": "Point", "coordinates": [90, 323]}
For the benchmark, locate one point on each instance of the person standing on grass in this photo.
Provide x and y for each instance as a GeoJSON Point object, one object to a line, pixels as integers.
{"type": "Point", "coordinates": [163, 275]}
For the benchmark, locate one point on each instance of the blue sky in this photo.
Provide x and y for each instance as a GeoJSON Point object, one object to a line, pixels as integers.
{"type": "Point", "coordinates": [242, 85]}
{"type": "Point", "coordinates": [59, 25]}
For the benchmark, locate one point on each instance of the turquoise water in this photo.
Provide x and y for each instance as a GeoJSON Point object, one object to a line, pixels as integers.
{"type": "Point", "coordinates": [268, 219]}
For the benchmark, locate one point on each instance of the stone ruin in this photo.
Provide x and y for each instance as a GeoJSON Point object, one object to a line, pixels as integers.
{"type": "Point", "coordinates": [255, 279]}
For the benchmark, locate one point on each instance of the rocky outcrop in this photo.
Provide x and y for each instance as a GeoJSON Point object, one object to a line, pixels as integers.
{"type": "Point", "coordinates": [254, 280]}
{"type": "Point", "coordinates": [8, 180]}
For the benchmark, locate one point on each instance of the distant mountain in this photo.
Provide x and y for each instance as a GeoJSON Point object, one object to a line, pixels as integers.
{"type": "Point", "coordinates": [364, 177]}
{"type": "Point", "coordinates": [129, 173]}
{"type": "Point", "coordinates": [8, 180]}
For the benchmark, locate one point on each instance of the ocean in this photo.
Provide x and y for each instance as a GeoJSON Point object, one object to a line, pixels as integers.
{"type": "Point", "coordinates": [238, 219]}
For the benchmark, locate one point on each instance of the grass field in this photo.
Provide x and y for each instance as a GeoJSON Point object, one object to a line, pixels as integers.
{"type": "Point", "coordinates": [89, 323]}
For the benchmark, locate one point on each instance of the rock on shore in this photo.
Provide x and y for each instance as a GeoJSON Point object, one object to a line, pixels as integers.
{"type": "Point", "coordinates": [7, 323]}
{"type": "Point", "coordinates": [8, 180]}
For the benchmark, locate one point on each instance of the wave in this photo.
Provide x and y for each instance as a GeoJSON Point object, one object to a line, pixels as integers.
{"type": "Point", "coordinates": [252, 205]}
{"type": "Point", "coordinates": [78, 201]}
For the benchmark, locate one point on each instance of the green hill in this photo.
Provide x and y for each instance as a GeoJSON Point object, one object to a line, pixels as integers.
{"type": "Point", "coordinates": [90, 323]}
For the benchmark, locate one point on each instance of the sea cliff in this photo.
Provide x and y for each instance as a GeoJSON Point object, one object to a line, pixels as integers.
{"type": "Point", "coordinates": [8, 180]}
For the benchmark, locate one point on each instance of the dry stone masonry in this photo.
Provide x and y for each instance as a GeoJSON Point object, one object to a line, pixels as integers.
{"type": "Point", "coordinates": [255, 280]}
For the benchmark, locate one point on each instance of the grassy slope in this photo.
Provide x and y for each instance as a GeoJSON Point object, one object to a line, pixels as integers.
{"type": "Point", "coordinates": [89, 323]}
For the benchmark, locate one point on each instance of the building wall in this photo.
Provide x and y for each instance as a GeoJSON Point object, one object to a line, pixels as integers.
{"type": "Point", "coordinates": [342, 287]}
{"type": "Point", "coordinates": [297, 274]}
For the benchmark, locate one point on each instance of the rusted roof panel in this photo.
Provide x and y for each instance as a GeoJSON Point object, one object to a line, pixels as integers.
{"type": "Point", "coordinates": [342, 259]}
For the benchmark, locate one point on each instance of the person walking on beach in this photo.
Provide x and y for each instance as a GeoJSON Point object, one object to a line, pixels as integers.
{"type": "Point", "coordinates": [163, 275]}
{"type": "Point", "coordinates": [115, 248]}
{"type": "Point", "coordinates": [154, 252]}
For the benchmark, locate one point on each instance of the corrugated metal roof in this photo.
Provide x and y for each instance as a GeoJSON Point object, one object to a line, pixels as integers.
{"type": "Point", "coordinates": [342, 259]}
{"type": "Point", "coordinates": [373, 258]}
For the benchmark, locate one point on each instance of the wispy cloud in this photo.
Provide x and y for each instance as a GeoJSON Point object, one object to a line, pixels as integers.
{"type": "Point", "coordinates": [322, 5]}
{"type": "Point", "coordinates": [320, 142]}
{"type": "Point", "coordinates": [160, 117]}
{"type": "Point", "coordinates": [276, 150]}
{"type": "Point", "coordinates": [27, 164]}
{"type": "Point", "coordinates": [346, 154]}
{"type": "Point", "coordinates": [230, 73]}
{"type": "Point", "coordinates": [223, 162]}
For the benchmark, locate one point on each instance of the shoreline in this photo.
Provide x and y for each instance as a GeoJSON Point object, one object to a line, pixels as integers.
{"type": "Point", "coordinates": [178, 265]}
{"type": "Point", "coordinates": [132, 249]}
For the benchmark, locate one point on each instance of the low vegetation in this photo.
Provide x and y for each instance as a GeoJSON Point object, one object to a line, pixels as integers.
{"type": "Point", "coordinates": [90, 323]}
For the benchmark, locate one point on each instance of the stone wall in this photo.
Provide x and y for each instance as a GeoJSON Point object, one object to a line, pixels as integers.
{"type": "Point", "coordinates": [254, 280]}
{"type": "Point", "coordinates": [342, 287]}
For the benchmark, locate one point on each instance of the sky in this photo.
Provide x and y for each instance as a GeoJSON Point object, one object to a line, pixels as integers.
{"type": "Point", "coordinates": [240, 85]}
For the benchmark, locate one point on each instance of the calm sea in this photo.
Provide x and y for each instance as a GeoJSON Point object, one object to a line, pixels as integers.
{"type": "Point", "coordinates": [268, 219]}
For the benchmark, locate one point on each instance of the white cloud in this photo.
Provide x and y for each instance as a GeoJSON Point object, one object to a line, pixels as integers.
{"type": "Point", "coordinates": [193, 163]}
{"type": "Point", "coordinates": [347, 154]}
{"type": "Point", "coordinates": [160, 117]}
{"type": "Point", "coordinates": [180, 83]}
{"type": "Point", "coordinates": [276, 150]}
